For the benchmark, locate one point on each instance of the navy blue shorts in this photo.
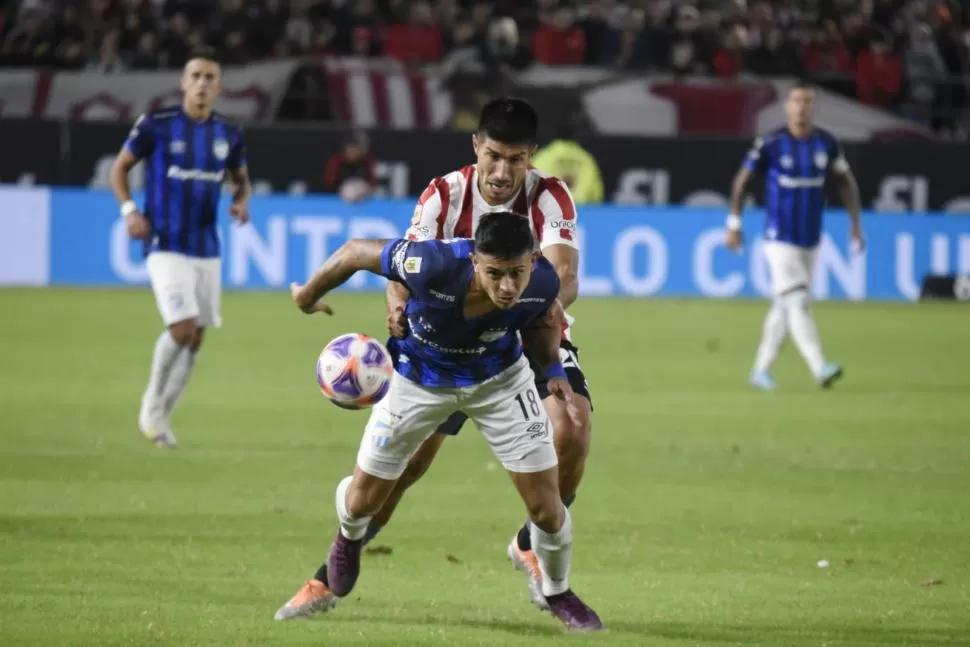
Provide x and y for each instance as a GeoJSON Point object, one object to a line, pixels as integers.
{"type": "Point", "coordinates": [568, 355]}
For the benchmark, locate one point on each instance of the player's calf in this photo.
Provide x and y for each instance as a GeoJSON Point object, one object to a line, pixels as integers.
{"type": "Point", "coordinates": [358, 498]}
{"type": "Point", "coordinates": [185, 333]}
{"type": "Point", "coordinates": [572, 440]}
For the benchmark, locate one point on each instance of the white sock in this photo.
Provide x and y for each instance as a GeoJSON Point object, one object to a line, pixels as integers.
{"type": "Point", "coordinates": [773, 335]}
{"type": "Point", "coordinates": [353, 528]}
{"type": "Point", "coordinates": [553, 551]}
{"type": "Point", "coordinates": [803, 330]}
{"type": "Point", "coordinates": [178, 378]}
{"type": "Point", "coordinates": [166, 352]}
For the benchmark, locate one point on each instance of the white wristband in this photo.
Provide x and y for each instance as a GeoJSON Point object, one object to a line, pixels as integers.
{"type": "Point", "coordinates": [128, 207]}
{"type": "Point", "coordinates": [733, 222]}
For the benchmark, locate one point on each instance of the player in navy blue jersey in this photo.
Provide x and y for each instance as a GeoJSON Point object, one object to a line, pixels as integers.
{"type": "Point", "coordinates": [796, 162]}
{"type": "Point", "coordinates": [188, 151]}
{"type": "Point", "coordinates": [468, 302]}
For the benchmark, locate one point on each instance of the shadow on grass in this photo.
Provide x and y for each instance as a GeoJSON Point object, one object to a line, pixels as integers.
{"type": "Point", "coordinates": [788, 634]}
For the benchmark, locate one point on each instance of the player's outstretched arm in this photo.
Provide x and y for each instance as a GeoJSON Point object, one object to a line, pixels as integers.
{"type": "Point", "coordinates": [542, 339]}
{"type": "Point", "coordinates": [738, 188]}
{"type": "Point", "coordinates": [849, 192]}
{"type": "Point", "coordinates": [242, 190]}
{"type": "Point", "coordinates": [566, 261]}
{"type": "Point", "coordinates": [137, 225]}
{"type": "Point", "coordinates": [396, 298]}
{"type": "Point", "coordinates": [352, 257]}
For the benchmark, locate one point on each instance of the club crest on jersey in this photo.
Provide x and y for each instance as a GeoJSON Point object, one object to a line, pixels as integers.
{"type": "Point", "coordinates": [220, 148]}
{"type": "Point", "coordinates": [493, 334]}
{"type": "Point", "coordinates": [821, 159]}
{"type": "Point", "coordinates": [177, 147]}
{"type": "Point", "coordinates": [412, 265]}
{"type": "Point", "coordinates": [786, 161]}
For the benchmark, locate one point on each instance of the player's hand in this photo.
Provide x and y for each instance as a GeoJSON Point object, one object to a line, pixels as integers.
{"type": "Point", "coordinates": [302, 301]}
{"type": "Point", "coordinates": [397, 323]}
{"type": "Point", "coordinates": [734, 240]}
{"type": "Point", "coordinates": [138, 226]}
{"type": "Point", "coordinates": [857, 240]}
{"type": "Point", "coordinates": [560, 388]}
{"type": "Point", "coordinates": [240, 212]}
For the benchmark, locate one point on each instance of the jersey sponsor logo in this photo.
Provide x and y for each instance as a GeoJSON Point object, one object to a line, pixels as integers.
{"type": "Point", "coordinates": [412, 265]}
{"type": "Point", "coordinates": [493, 334]}
{"type": "Point", "coordinates": [789, 182]}
{"type": "Point", "coordinates": [450, 298]}
{"type": "Point", "coordinates": [220, 148]}
{"type": "Point", "coordinates": [178, 173]}
{"type": "Point", "coordinates": [442, 349]}
{"type": "Point", "coordinates": [533, 300]}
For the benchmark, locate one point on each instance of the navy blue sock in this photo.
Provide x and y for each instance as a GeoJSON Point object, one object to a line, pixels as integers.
{"type": "Point", "coordinates": [321, 574]}
{"type": "Point", "coordinates": [524, 538]}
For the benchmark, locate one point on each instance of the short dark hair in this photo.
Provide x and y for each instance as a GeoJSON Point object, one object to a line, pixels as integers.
{"type": "Point", "coordinates": [509, 121]}
{"type": "Point", "coordinates": [504, 235]}
{"type": "Point", "coordinates": [801, 84]}
{"type": "Point", "coordinates": [204, 53]}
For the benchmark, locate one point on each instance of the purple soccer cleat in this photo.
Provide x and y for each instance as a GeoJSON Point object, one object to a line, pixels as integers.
{"type": "Point", "coordinates": [573, 612]}
{"type": "Point", "coordinates": [343, 565]}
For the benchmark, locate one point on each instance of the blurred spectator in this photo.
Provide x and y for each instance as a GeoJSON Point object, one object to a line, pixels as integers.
{"type": "Point", "coordinates": [567, 160]}
{"type": "Point", "coordinates": [729, 60]}
{"type": "Point", "coordinates": [687, 55]}
{"type": "Point", "coordinates": [417, 41]}
{"type": "Point", "coordinates": [146, 55]}
{"type": "Point", "coordinates": [825, 53]}
{"type": "Point", "coordinates": [175, 48]}
{"type": "Point", "coordinates": [878, 75]}
{"type": "Point", "coordinates": [559, 41]}
{"type": "Point", "coordinates": [351, 171]}
{"type": "Point", "coordinates": [108, 60]}
{"type": "Point", "coordinates": [775, 56]}
{"type": "Point", "coordinates": [925, 72]}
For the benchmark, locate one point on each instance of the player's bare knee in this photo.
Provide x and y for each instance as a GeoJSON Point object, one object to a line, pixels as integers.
{"type": "Point", "coordinates": [183, 332]}
{"type": "Point", "coordinates": [197, 339]}
{"type": "Point", "coordinates": [367, 494]}
{"type": "Point", "coordinates": [572, 439]}
{"type": "Point", "coordinates": [549, 514]}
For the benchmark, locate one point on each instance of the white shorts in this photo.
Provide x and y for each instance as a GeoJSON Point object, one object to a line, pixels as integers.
{"type": "Point", "coordinates": [506, 409]}
{"type": "Point", "coordinates": [186, 287]}
{"type": "Point", "coordinates": [790, 266]}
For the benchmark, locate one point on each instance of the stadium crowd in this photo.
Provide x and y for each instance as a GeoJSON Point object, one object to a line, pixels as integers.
{"type": "Point", "coordinates": [905, 55]}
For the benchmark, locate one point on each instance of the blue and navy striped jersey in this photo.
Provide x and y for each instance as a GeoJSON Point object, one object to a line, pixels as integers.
{"type": "Point", "coordinates": [185, 165]}
{"type": "Point", "coordinates": [443, 348]}
{"type": "Point", "coordinates": [795, 171]}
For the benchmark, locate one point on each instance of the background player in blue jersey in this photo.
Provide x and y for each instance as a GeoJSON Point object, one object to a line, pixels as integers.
{"type": "Point", "coordinates": [468, 302]}
{"type": "Point", "coordinates": [189, 151]}
{"type": "Point", "coordinates": [795, 162]}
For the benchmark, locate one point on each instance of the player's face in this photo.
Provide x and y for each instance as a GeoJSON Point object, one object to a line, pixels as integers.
{"type": "Point", "coordinates": [201, 82]}
{"type": "Point", "coordinates": [800, 107]}
{"type": "Point", "coordinates": [504, 281]}
{"type": "Point", "coordinates": [501, 168]}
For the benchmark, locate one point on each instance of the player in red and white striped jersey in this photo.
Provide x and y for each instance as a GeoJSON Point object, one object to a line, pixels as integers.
{"type": "Point", "coordinates": [501, 180]}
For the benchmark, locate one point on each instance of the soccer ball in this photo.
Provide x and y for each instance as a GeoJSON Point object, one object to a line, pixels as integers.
{"type": "Point", "coordinates": [354, 371]}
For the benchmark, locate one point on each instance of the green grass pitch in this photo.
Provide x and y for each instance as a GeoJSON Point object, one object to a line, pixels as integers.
{"type": "Point", "coordinates": [705, 510]}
